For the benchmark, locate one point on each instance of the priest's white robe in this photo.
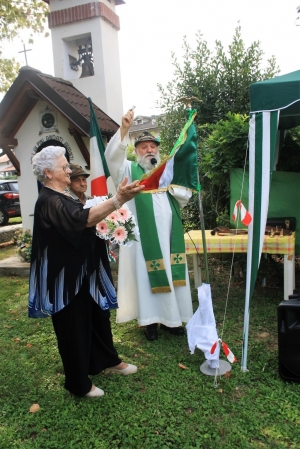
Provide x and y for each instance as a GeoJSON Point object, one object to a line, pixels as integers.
{"type": "Point", "coordinates": [135, 297]}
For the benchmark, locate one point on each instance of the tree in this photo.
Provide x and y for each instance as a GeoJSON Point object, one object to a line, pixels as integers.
{"type": "Point", "coordinates": [223, 148]}
{"type": "Point", "coordinates": [14, 16]}
{"type": "Point", "coordinates": [130, 152]}
{"type": "Point", "coordinates": [219, 79]}
{"type": "Point", "coordinates": [289, 156]}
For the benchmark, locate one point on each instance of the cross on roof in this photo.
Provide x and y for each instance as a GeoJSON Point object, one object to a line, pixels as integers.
{"type": "Point", "coordinates": [24, 51]}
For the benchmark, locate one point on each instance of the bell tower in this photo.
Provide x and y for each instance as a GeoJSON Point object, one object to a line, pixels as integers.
{"type": "Point", "coordinates": [86, 50]}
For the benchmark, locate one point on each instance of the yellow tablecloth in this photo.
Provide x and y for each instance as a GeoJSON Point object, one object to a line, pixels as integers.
{"type": "Point", "coordinates": [236, 243]}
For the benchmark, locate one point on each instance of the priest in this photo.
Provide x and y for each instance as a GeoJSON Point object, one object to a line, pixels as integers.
{"type": "Point", "coordinates": [153, 283]}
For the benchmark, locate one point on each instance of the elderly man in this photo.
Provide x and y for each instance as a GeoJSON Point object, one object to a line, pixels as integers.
{"type": "Point", "coordinates": [78, 184]}
{"type": "Point", "coordinates": [148, 288]}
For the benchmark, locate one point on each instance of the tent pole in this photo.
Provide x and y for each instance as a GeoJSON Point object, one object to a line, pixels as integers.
{"type": "Point", "coordinates": [203, 232]}
{"type": "Point", "coordinates": [247, 304]}
{"type": "Point", "coordinates": [245, 339]}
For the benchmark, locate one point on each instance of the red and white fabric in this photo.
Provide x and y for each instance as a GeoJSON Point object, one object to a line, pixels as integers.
{"type": "Point", "coordinates": [244, 214]}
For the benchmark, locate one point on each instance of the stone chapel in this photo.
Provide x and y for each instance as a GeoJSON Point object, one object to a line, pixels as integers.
{"type": "Point", "coordinates": [40, 110]}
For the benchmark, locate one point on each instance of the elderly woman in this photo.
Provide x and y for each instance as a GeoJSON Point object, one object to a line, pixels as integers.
{"type": "Point", "coordinates": [70, 277]}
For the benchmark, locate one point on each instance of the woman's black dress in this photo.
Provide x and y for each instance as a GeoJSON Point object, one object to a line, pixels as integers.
{"type": "Point", "coordinates": [64, 252]}
{"type": "Point", "coordinates": [70, 280]}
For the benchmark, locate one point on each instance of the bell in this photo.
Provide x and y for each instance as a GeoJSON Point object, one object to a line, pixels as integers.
{"type": "Point", "coordinates": [86, 70]}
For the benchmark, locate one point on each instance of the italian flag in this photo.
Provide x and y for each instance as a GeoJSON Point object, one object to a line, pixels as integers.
{"type": "Point", "coordinates": [239, 209]}
{"type": "Point", "coordinates": [180, 168]}
{"type": "Point", "coordinates": [99, 170]}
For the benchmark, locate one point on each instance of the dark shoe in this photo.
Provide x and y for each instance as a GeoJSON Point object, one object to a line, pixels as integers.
{"type": "Point", "coordinates": [173, 330]}
{"type": "Point", "coordinates": [151, 332]}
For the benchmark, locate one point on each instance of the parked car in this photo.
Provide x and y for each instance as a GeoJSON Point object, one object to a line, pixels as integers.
{"type": "Point", "coordinates": [9, 200]}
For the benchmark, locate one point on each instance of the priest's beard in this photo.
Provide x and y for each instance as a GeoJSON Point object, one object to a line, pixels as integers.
{"type": "Point", "coordinates": [144, 161]}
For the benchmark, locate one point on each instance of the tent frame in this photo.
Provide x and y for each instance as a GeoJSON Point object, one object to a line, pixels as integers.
{"type": "Point", "coordinates": [275, 106]}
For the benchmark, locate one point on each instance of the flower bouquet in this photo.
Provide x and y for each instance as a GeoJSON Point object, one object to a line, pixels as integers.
{"type": "Point", "coordinates": [118, 227]}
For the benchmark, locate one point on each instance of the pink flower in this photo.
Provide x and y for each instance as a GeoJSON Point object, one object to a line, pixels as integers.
{"type": "Point", "coordinates": [120, 234]}
{"type": "Point", "coordinates": [123, 215]}
{"type": "Point", "coordinates": [114, 217]}
{"type": "Point", "coordinates": [102, 228]}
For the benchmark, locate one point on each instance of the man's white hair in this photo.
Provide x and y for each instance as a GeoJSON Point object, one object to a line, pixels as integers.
{"type": "Point", "coordinates": [46, 158]}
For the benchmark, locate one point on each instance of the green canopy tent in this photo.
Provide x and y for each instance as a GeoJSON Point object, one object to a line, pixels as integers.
{"type": "Point", "coordinates": [275, 107]}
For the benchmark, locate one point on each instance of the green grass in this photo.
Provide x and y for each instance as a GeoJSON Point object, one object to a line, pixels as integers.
{"type": "Point", "coordinates": [162, 406]}
{"type": "Point", "coordinates": [8, 251]}
{"type": "Point", "coordinates": [15, 220]}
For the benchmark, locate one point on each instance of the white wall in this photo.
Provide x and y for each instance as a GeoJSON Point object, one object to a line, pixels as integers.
{"type": "Point", "coordinates": [104, 87]}
{"type": "Point", "coordinates": [27, 142]}
{"type": "Point", "coordinates": [110, 60]}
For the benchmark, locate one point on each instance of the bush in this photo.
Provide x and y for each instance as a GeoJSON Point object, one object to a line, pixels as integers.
{"type": "Point", "coordinates": [23, 240]}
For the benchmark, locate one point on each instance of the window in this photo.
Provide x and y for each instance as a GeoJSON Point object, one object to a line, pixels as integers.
{"type": "Point", "coordinates": [81, 57]}
{"type": "Point", "coordinates": [14, 186]}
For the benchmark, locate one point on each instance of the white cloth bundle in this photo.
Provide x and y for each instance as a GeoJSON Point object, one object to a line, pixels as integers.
{"type": "Point", "coordinates": [201, 328]}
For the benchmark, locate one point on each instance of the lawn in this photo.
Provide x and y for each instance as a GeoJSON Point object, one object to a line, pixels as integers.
{"type": "Point", "coordinates": [15, 220]}
{"type": "Point", "coordinates": [8, 251]}
{"type": "Point", "coordinates": [163, 405]}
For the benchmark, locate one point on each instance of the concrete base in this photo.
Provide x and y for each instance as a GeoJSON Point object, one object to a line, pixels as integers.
{"type": "Point", "coordinates": [224, 367]}
{"type": "Point", "coordinates": [7, 232]}
{"type": "Point", "coordinates": [13, 266]}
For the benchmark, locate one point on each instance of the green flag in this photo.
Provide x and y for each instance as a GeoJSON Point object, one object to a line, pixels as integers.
{"type": "Point", "coordinates": [180, 168]}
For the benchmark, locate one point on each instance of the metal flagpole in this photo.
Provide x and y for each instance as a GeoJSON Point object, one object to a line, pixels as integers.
{"type": "Point", "coordinates": [203, 321]}
{"type": "Point", "coordinates": [203, 231]}
{"type": "Point", "coordinates": [188, 103]}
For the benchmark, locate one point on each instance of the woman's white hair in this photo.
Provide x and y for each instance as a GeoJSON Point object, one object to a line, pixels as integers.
{"type": "Point", "coordinates": [46, 158]}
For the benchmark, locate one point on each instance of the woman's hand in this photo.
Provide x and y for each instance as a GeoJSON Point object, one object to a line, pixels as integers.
{"type": "Point", "coordinates": [124, 193]}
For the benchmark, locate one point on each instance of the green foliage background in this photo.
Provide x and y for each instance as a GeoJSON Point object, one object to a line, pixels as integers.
{"type": "Point", "coordinates": [221, 80]}
{"type": "Point", "coordinates": [14, 16]}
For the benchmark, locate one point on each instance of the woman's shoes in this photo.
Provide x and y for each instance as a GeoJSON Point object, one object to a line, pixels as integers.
{"type": "Point", "coordinates": [96, 392]}
{"type": "Point", "coordinates": [130, 369]}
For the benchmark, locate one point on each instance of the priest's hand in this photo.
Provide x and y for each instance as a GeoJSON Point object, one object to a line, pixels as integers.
{"type": "Point", "coordinates": [127, 121]}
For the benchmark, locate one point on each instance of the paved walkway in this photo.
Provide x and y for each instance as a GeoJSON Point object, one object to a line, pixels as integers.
{"type": "Point", "coordinates": [13, 266]}
{"type": "Point", "coordinates": [7, 232]}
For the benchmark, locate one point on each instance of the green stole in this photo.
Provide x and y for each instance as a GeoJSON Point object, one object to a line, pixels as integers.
{"type": "Point", "coordinates": [151, 246]}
